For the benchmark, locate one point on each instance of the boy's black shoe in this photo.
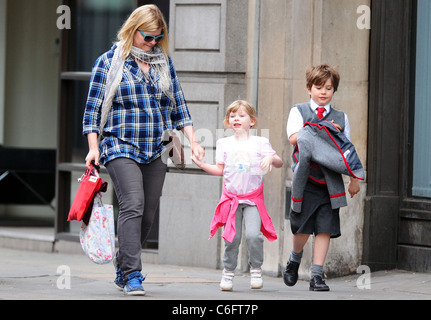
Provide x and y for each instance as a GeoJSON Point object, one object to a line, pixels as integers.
{"type": "Point", "coordinates": [318, 284]}
{"type": "Point", "coordinates": [290, 273]}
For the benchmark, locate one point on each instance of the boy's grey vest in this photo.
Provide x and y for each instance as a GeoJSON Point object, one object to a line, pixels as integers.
{"type": "Point", "coordinates": [310, 116]}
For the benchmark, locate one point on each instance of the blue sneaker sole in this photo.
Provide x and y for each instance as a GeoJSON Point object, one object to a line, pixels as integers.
{"type": "Point", "coordinates": [137, 292]}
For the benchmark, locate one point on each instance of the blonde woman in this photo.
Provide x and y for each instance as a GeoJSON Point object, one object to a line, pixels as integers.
{"type": "Point", "coordinates": [134, 95]}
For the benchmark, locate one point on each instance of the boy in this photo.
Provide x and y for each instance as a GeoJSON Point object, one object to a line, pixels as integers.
{"type": "Point", "coordinates": [317, 215]}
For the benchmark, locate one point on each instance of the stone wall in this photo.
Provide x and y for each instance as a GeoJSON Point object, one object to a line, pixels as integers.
{"type": "Point", "coordinates": [259, 50]}
{"type": "Point", "coordinates": [294, 36]}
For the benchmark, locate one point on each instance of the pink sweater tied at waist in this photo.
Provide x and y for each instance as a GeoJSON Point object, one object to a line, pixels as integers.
{"type": "Point", "coordinates": [226, 210]}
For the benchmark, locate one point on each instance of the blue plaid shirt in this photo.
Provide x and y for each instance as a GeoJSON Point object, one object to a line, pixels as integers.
{"type": "Point", "coordinates": [135, 124]}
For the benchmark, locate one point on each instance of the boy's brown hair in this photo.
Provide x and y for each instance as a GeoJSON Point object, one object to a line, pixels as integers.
{"type": "Point", "coordinates": [320, 74]}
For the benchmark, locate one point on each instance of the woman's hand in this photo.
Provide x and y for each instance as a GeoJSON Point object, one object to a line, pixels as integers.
{"type": "Point", "coordinates": [197, 151]}
{"type": "Point", "coordinates": [93, 153]}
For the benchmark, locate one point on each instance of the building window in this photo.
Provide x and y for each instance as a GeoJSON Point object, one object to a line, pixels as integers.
{"type": "Point", "coordinates": [94, 30]}
{"type": "Point", "coordinates": [421, 185]}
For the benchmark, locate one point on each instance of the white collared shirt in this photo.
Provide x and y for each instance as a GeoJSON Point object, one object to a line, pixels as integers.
{"type": "Point", "coordinates": [314, 107]}
{"type": "Point", "coordinates": [296, 122]}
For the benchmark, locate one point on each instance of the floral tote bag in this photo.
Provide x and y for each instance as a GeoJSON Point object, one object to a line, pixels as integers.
{"type": "Point", "coordinates": [98, 237]}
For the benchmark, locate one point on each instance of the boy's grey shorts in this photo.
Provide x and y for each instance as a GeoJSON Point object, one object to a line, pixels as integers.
{"type": "Point", "coordinates": [317, 215]}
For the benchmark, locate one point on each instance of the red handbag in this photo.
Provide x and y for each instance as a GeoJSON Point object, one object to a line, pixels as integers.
{"type": "Point", "coordinates": [90, 184]}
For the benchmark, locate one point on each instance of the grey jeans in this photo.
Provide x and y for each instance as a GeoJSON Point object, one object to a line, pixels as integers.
{"type": "Point", "coordinates": [253, 236]}
{"type": "Point", "coordinates": [138, 188]}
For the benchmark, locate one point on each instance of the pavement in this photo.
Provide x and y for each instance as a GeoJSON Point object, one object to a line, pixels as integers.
{"type": "Point", "coordinates": [38, 275]}
{"type": "Point", "coordinates": [33, 275]}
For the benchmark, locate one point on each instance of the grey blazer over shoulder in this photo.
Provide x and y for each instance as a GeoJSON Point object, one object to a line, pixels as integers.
{"type": "Point", "coordinates": [322, 155]}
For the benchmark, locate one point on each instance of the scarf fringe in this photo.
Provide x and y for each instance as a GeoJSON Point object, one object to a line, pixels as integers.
{"type": "Point", "coordinates": [157, 59]}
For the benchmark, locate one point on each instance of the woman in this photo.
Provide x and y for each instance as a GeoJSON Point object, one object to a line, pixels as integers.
{"type": "Point", "coordinates": [147, 98]}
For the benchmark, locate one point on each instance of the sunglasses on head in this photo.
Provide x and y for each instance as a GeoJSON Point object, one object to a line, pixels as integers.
{"type": "Point", "coordinates": [149, 37]}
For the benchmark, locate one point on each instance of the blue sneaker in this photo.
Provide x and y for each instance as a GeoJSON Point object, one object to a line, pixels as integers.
{"type": "Point", "coordinates": [133, 285]}
{"type": "Point", "coordinates": [119, 279]}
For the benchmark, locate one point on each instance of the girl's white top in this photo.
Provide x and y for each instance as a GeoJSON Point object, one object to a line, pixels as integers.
{"type": "Point", "coordinates": [241, 159]}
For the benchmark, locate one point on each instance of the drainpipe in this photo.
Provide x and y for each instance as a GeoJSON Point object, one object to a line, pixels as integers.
{"type": "Point", "coordinates": [253, 47]}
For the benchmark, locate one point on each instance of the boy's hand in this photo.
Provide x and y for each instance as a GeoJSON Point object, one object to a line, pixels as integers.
{"type": "Point", "coordinates": [353, 187]}
{"type": "Point", "coordinates": [337, 126]}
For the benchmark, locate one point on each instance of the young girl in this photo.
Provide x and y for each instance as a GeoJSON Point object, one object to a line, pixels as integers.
{"type": "Point", "coordinates": [242, 159]}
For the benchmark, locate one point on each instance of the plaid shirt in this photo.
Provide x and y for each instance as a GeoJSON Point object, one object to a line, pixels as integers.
{"type": "Point", "coordinates": [135, 124]}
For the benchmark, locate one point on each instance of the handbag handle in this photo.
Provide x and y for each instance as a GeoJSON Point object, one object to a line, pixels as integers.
{"type": "Point", "coordinates": [94, 170]}
{"type": "Point", "coordinates": [97, 167]}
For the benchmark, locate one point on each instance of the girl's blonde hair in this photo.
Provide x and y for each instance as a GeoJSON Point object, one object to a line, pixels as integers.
{"type": "Point", "coordinates": [234, 107]}
{"type": "Point", "coordinates": [147, 18]}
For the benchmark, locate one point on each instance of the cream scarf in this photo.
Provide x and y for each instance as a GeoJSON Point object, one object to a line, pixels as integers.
{"type": "Point", "coordinates": [157, 59]}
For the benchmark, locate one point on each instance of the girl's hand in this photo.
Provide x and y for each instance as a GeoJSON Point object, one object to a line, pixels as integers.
{"type": "Point", "coordinates": [271, 161]}
{"type": "Point", "coordinates": [198, 162]}
{"type": "Point", "coordinates": [266, 164]}
{"type": "Point", "coordinates": [214, 169]}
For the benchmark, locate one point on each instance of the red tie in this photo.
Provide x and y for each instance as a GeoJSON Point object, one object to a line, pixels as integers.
{"type": "Point", "coordinates": [320, 112]}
